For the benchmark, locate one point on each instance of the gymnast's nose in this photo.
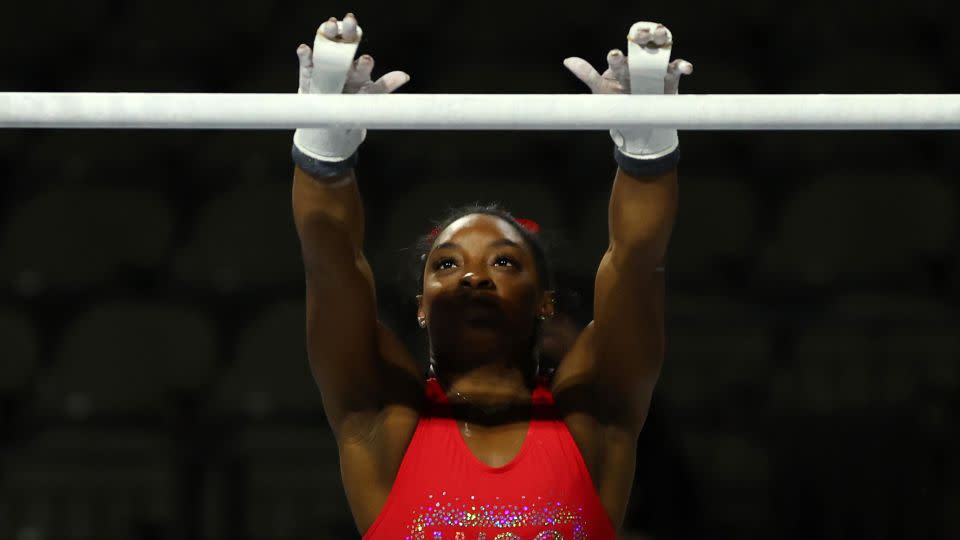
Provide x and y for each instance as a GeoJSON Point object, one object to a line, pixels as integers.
{"type": "Point", "coordinates": [474, 280]}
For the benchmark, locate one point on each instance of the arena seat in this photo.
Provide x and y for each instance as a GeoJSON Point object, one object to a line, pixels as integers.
{"type": "Point", "coordinates": [100, 459]}
{"type": "Point", "coordinates": [242, 158]}
{"type": "Point", "coordinates": [82, 483]}
{"type": "Point", "coordinates": [951, 520]}
{"type": "Point", "coordinates": [78, 238]}
{"type": "Point", "coordinates": [72, 23]}
{"type": "Point", "coordinates": [123, 360]}
{"type": "Point", "coordinates": [715, 231]}
{"type": "Point", "coordinates": [915, 75]}
{"type": "Point", "coordinates": [734, 478]}
{"type": "Point", "coordinates": [956, 275]}
{"type": "Point", "coordinates": [287, 481]}
{"type": "Point", "coordinates": [270, 376]}
{"type": "Point", "coordinates": [719, 351]}
{"type": "Point", "coordinates": [877, 230]}
{"type": "Point", "coordinates": [246, 239]}
{"type": "Point", "coordinates": [846, 35]}
{"type": "Point", "coordinates": [279, 460]}
{"type": "Point", "coordinates": [164, 51]}
{"type": "Point", "coordinates": [867, 352]}
{"type": "Point", "coordinates": [105, 158]}
{"type": "Point", "coordinates": [19, 349]}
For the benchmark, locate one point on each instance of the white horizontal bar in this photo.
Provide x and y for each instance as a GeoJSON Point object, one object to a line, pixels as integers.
{"type": "Point", "coordinates": [480, 111]}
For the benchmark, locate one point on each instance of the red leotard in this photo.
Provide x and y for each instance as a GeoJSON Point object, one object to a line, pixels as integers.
{"type": "Point", "coordinates": [443, 492]}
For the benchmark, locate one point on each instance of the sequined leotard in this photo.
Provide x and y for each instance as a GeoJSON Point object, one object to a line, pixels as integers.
{"type": "Point", "coordinates": [443, 492]}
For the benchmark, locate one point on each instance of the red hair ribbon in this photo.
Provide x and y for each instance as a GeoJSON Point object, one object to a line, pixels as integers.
{"type": "Point", "coordinates": [530, 225]}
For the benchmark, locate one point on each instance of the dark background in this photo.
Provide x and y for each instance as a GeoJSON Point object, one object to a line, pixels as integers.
{"type": "Point", "coordinates": [153, 381]}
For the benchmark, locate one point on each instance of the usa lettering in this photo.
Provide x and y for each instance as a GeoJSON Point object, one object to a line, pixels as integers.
{"type": "Point", "coordinates": [460, 535]}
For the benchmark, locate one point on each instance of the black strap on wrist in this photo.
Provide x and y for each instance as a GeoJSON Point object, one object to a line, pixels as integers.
{"type": "Point", "coordinates": [647, 167]}
{"type": "Point", "coordinates": [318, 168]}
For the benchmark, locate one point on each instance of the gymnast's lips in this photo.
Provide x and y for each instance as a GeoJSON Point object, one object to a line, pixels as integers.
{"type": "Point", "coordinates": [478, 302]}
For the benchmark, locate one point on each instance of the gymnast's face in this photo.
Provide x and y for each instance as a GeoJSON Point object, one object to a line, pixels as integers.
{"type": "Point", "coordinates": [481, 278]}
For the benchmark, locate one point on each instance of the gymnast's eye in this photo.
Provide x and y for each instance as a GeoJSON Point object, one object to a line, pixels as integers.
{"type": "Point", "coordinates": [442, 264]}
{"type": "Point", "coordinates": [508, 260]}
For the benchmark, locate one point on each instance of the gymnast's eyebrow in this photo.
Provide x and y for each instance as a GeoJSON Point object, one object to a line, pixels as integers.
{"type": "Point", "coordinates": [500, 242]}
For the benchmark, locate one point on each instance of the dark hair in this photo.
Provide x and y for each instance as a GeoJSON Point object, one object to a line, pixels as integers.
{"type": "Point", "coordinates": [574, 295]}
{"type": "Point", "coordinates": [536, 242]}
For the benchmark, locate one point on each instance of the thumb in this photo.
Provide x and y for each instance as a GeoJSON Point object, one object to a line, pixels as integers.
{"type": "Point", "coordinates": [583, 71]}
{"type": "Point", "coordinates": [388, 83]}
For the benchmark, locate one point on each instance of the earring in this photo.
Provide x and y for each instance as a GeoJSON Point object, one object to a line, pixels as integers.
{"type": "Point", "coordinates": [423, 322]}
{"type": "Point", "coordinates": [542, 317]}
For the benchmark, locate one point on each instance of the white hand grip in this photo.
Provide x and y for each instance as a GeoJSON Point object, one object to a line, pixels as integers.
{"type": "Point", "coordinates": [332, 59]}
{"type": "Point", "coordinates": [648, 63]}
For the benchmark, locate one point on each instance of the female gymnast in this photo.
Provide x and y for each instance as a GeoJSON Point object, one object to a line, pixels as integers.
{"type": "Point", "coordinates": [481, 447]}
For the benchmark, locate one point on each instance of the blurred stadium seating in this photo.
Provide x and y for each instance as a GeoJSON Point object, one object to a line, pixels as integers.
{"type": "Point", "coordinates": [874, 352]}
{"type": "Point", "coordinates": [72, 238]}
{"type": "Point", "coordinates": [715, 235]}
{"type": "Point", "coordinates": [719, 355]}
{"type": "Point", "coordinates": [878, 230]}
{"type": "Point", "coordinates": [84, 482]}
{"type": "Point", "coordinates": [269, 376]}
{"type": "Point", "coordinates": [245, 239]}
{"type": "Point", "coordinates": [128, 360]}
{"type": "Point", "coordinates": [20, 350]}
{"type": "Point", "coordinates": [153, 373]}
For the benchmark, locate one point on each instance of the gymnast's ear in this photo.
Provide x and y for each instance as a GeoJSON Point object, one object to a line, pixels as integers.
{"type": "Point", "coordinates": [420, 313]}
{"type": "Point", "coordinates": [548, 303]}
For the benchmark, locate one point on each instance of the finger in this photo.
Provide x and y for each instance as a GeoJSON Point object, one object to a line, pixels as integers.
{"type": "Point", "coordinates": [610, 85]}
{"type": "Point", "coordinates": [676, 69]}
{"type": "Point", "coordinates": [349, 29]}
{"type": "Point", "coordinates": [306, 65]}
{"type": "Point", "coordinates": [583, 71]}
{"type": "Point", "coordinates": [641, 36]}
{"type": "Point", "coordinates": [305, 55]}
{"type": "Point", "coordinates": [661, 35]}
{"type": "Point", "coordinates": [680, 66]}
{"type": "Point", "coordinates": [329, 28]}
{"type": "Point", "coordinates": [618, 65]}
{"type": "Point", "coordinates": [387, 84]}
{"type": "Point", "coordinates": [362, 68]}
{"type": "Point", "coordinates": [358, 77]}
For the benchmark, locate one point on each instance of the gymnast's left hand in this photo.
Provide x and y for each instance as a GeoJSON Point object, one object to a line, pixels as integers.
{"type": "Point", "coordinates": [639, 143]}
{"type": "Point", "coordinates": [331, 34]}
{"type": "Point", "coordinates": [329, 68]}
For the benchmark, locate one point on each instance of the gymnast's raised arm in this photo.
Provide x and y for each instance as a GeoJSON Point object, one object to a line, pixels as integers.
{"type": "Point", "coordinates": [626, 338]}
{"type": "Point", "coordinates": [359, 365]}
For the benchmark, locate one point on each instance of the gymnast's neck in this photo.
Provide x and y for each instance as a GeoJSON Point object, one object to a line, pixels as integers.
{"type": "Point", "coordinates": [488, 384]}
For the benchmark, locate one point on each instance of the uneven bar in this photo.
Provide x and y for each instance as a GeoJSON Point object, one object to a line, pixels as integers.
{"type": "Point", "coordinates": [480, 111]}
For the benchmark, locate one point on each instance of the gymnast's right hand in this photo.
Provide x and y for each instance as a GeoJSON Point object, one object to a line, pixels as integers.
{"type": "Point", "coordinates": [329, 68]}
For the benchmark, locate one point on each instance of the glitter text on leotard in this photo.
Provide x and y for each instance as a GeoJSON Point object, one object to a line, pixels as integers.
{"type": "Point", "coordinates": [458, 518]}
